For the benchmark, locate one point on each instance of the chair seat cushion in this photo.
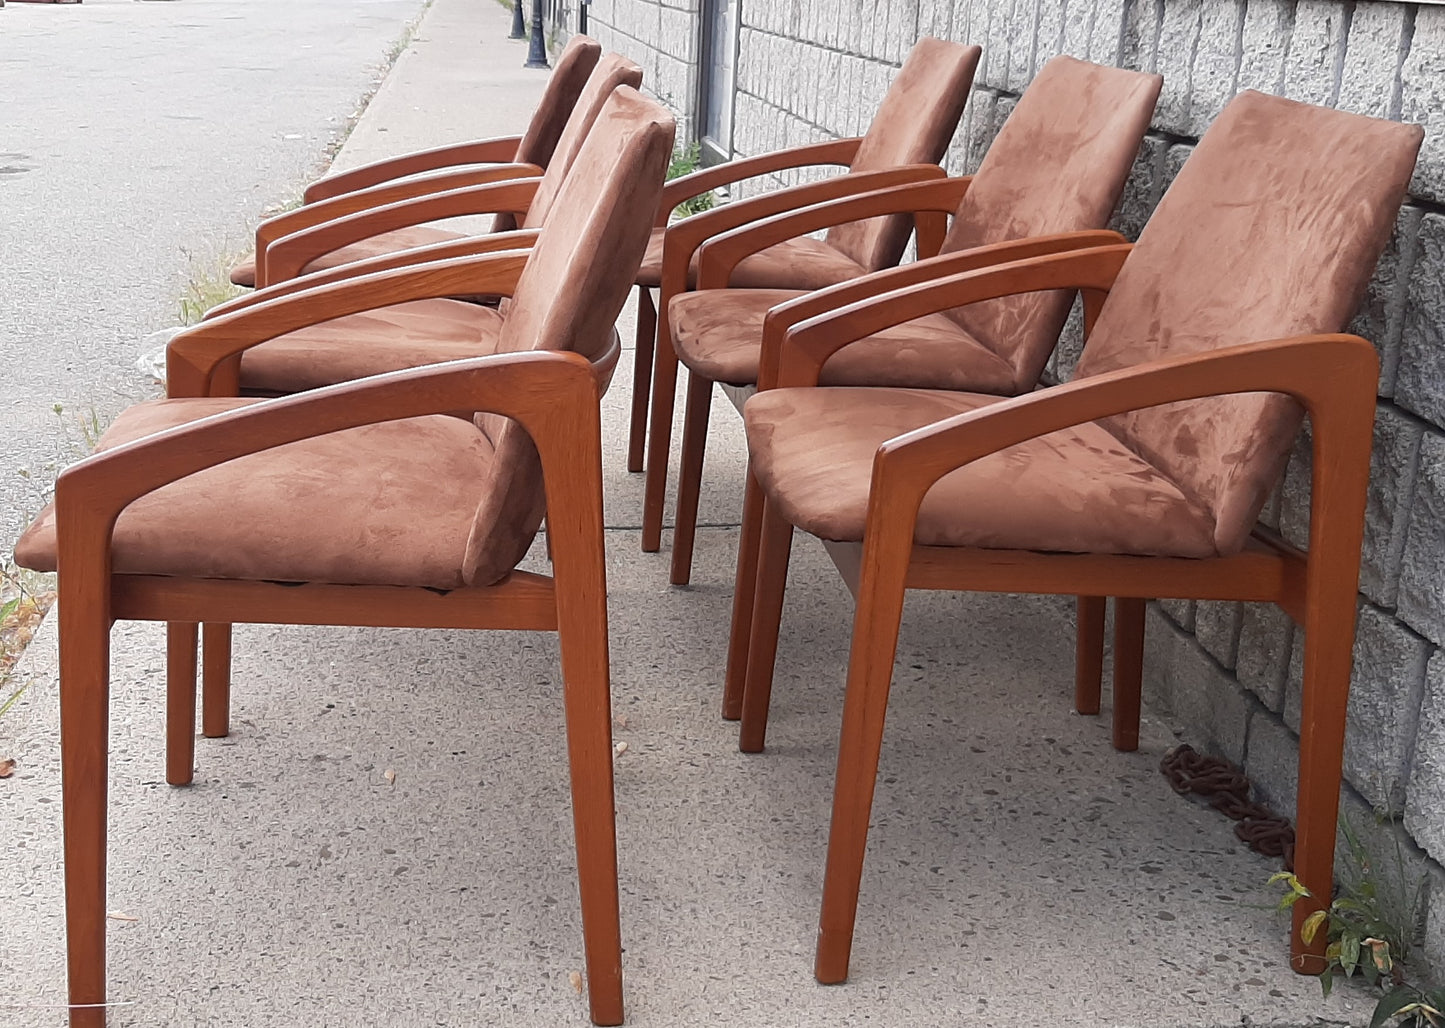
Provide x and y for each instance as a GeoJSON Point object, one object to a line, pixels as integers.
{"type": "Point", "coordinates": [406, 335]}
{"type": "Point", "coordinates": [385, 504]}
{"type": "Point", "coordinates": [1074, 491]}
{"type": "Point", "coordinates": [244, 273]}
{"type": "Point", "coordinates": [718, 333]}
{"type": "Point", "coordinates": [801, 263]}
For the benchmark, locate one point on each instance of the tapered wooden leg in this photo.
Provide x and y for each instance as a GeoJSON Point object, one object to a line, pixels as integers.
{"type": "Point", "coordinates": [84, 736]}
{"type": "Point", "coordinates": [180, 702]}
{"type": "Point", "coordinates": [870, 673]}
{"type": "Point", "coordinates": [216, 681]}
{"type": "Point", "coordinates": [744, 588]}
{"type": "Point", "coordinates": [772, 579]}
{"type": "Point", "coordinates": [689, 483]}
{"type": "Point", "coordinates": [1089, 654]}
{"type": "Point", "coordinates": [659, 442]}
{"type": "Point", "coordinates": [1128, 670]}
{"type": "Point", "coordinates": [641, 377]}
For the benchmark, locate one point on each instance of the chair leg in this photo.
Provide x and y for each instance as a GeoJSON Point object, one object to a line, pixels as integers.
{"type": "Point", "coordinates": [774, 548]}
{"type": "Point", "coordinates": [641, 377]}
{"type": "Point", "coordinates": [180, 702]}
{"type": "Point", "coordinates": [744, 588]}
{"type": "Point", "coordinates": [1128, 670]}
{"type": "Point", "coordinates": [84, 735]}
{"type": "Point", "coordinates": [659, 442]}
{"type": "Point", "coordinates": [216, 680]}
{"type": "Point", "coordinates": [870, 673]}
{"type": "Point", "coordinates": [689, 483]}
{"type": "Point", "coordinates": [1089, 654]}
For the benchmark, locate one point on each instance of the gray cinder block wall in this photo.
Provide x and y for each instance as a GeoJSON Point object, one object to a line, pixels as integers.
{"type": "Point", "coordinates": [1228, 673]}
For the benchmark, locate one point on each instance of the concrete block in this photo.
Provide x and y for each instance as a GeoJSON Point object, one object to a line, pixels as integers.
{"type": "Point", "coordinates": [1272, 764]}
{"type": "Point", "coordinates": [1400, 870]}
{"type": "Point", "coordinates": [1181, 612]}
{"type": "Point", "coordinates": [1294, 500]}
{"type": "Point", "coordinates": [1217, 627]}
{"type": "Point", "coordinates": [1265, 35]}
{"type": "Point", "coordinates": [1385, 691]}
{"type": "Point", "coordinates": [1425, 798]}
{"type": "Point", "coordinates": [1049, 33]}
{"type": "Point", "coordinates": [1380, 318]}
{"type": "Point", "coordinates": [968, 15]}
{"type": "Point", "coordinates": [1422, 99]}
{"type": "Point", "coordinates": [1078, 21]}
{"type": "Point", "coordinates": [1178, 41]}
{"type": "Point", "coordinates": [1106, 29]}
{"type": "Point", "coordinates": [1315, 52]}
{"type": "Point", "coordinates": [1023, 29]}
{"type": "Point", "coordinates": [1142, 190]}
{"type": "Point", "coordinates": [1204, 699]}
{"type": "Point", "coordinates": [1421, 598]}
{"type": "Point", "coordinates": [1262, 663]}
{"type": "Point", "coordinates": [1071, 344]}
{"type": "Point", "coordinates": [993, 70]}
{"type": "Point", "coordinates": [1378, 41]}
{"type": "Point", "coordinates": [982, 107]}
{"type": "Point", "coordinates": [1216, 62]}
{"type": "Point", "coordinates": [1392, 473]}
{"type": "Point", "coordinates": [1419, 382]}
{"type": "Point", "coordinates": [1174, 158]}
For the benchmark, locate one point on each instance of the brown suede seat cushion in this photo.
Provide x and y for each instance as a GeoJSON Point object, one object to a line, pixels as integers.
{"type": "Point", "coordinates": [385, 504]}
{"type": "Point", "coordinates": [802, 263]}
{"type": "Point", "coordinates": [1074, 491]}
{"type": "Point", "coordinates": [718, 334]}
{"type": "Point", "coordinates": [407, 335]}
{"type": "Point", "coordinates": [244, 273]}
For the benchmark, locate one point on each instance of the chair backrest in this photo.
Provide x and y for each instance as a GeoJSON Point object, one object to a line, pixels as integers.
{"type": "Point", "coordinates": [612, 71]}
{"type": "Point", "coordinates": [1058, 164]}
{"type": "Point", "coordinates": [1271, 229]}
{"type": "Point", "coordinates": [570, 294]}
{"type": "Point", "coordinates": [918, 116]}
{"type": "Point", "coordinates": [569, 76]}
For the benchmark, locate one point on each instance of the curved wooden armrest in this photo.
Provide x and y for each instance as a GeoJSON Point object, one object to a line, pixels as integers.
{"type": "Point", "coordinates": [470, 246]}
{"type": "Point", "coordinates": [723, 252]}
{"type": "Point", "coordinates": [1333, 376]}
{"type": "Point", "coordinates": [554, 396]}
{"type": "Point", "coordinates": [484, 151]}
{"type": "Point", "coordinates": [687, 235]}
{"type": "Point", "coordinates": [323, 211]}
{"type": "Point", "coordinates": [194, 357]}
{"type": "Point", "coordinates": [685, 187]}
{"type": "Point", "coordinates": [287, 256]}
{"type": "Point", "coordinates": [807, 345]}
{"type": "Point", "coordinates": [824, 301]}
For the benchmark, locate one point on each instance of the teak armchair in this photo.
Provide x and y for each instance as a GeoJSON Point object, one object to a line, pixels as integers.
{"type": "Point", "coordinates": [1143, 477]}
{"type": "Point", "coordinates": [912, 127]}
{"type": "Point", "coordinates": [393, 216]}
{"type": "Point", "coordinates": [1056, 168]}
{"type": "Point", "coordinates": [370, 503]}
{"type": "Point", "coordinates": [532, 150]}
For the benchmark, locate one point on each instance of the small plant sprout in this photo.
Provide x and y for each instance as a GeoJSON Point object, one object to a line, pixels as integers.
{"type": "Point", "coordinates": [686, 160]}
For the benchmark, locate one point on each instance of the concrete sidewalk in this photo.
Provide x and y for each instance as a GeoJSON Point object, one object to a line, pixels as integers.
{"type": "Point", "coordinates": [1020, 871]}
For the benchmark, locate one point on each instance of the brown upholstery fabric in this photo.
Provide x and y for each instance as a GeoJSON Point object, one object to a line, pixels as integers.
{"type": "Point", "coordinates": [564, 87]}
{"type": "Point", "coordinates": [387, 504]}
{"type": "Point", "coordinates": [1271, 229]}
{"type": "Point", "coordinates": [576, 280]}
{"type": "Point", "coordinates": [244, 273]}
{"type": "Point", "coordinates": [1073, 491]}
{"type": "Point", "coordinates": [913, 125]}
{"type": "Point", "coordinates": [1059, 164]}
{"type": "Point", "coordinates": [716, 334]}
{"type": "Point", "coordinates": [801, 263]}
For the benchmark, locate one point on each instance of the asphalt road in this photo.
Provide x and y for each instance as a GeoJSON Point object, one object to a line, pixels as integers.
{"type": "Point", "coordinates": [139, 142]}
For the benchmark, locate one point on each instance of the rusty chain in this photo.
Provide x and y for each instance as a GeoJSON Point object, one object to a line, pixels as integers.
{"type": "Point", "coordinates": [1227, 790]}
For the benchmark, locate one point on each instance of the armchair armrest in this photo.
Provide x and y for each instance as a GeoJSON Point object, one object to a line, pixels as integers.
{"type": "Point", "coordinates": [204, 359]}
{"type": "Point", "coordinates": [809, 344]}
{"type": "Point", "coordinates": [322, 211]}
{"type": "Point", "coordinates": [720, 254]}
{"type": "Point", "coordinates": [687, 235]}
{"type": "Point", "coordinates": [287, 256]}
{"type": "Point", "coordinates": [823, 301]}
{"type": "Point", "coordinates": [685, 187]}
{"type": "Point", "coordinates": [469, 246]}
{"type": "Point", "coordinates": [485, 151]}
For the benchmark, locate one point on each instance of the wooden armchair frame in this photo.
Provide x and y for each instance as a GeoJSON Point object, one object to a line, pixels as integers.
{"type": "Point", "coordinates": [501, 150]}
{"type": "Point", "coordinates": [656, 361]}
{"type": "Point", "coordinates": [1332, 376]}
{"type": "Point", "coordinates": [554, 396]}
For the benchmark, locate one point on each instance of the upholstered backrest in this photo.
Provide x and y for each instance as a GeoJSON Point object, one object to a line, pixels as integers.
{"type": "Point", "coordinates": [569, 77]}
{"type": "Point", "coordinates": [913, 125]}
{"type": "Point", "coordinates": [1058, 164]}
{"type": "Point", "coordinates": [1271, 229]}
{"type": "Point", "coordinates": [612, 71]}
{"type": "Point", "coordinates": [569, 295]}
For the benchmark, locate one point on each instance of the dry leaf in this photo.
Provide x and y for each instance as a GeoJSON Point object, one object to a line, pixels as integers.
{"type": "Point", "coordinates": [390, 776]}
{"type": "Point", "coordinates": [7, 767]}
{"type": "Point", "coordinates": [620, 748]}
{"type": "Point", "coordinates": [620, 721]}
{"type": "Point", "coordinates": [576, 979]}
{"type": "Point", "coordinates": [121, 915]}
